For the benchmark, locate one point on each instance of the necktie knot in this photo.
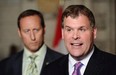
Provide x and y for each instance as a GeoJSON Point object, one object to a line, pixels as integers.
{"type": "Point", "coordinates": [33, 57]}
{"type": "Point", "coordinates": [77, 67]}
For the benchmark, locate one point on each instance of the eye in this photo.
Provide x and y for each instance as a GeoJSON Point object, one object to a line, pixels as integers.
{"type": "Point", "coordinates": [26, 30]}
{"type": "Point", "coordinates": [82, 29]}
{"type": "Point", "coordinates": [68, 29]}
{"type": "Point", "coordinates": [36, 30]}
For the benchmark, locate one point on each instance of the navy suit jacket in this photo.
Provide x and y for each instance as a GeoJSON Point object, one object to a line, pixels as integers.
{"type": "Point", "coordinates": [13, 64]}
{"type": "Point", "coordinates": [100, 63]}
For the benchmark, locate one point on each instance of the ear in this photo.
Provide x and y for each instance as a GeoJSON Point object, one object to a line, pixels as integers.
{"type": "Point", "coordinates": [95, 32]}
{"type": "Point", "coordinates": [19, 32]}
{"type": "Point", "coordinates": [62, 33]}
{"type": "Point", "coordinates": [44, 30]}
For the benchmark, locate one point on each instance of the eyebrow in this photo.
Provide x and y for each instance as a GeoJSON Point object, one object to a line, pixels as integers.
{"type": "Point", "coordinates": [78, 27]}
{"type": "Point", "coordinates": [67, 26]}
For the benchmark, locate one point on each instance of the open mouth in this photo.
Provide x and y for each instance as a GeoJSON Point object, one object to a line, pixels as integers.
{"type": "Point", "coordinates": [76, 44]}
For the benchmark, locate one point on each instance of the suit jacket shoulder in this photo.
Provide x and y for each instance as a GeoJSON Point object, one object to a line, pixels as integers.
{"type": "Point", "coordinates": [101, 63]}
{"type": "Point", "coordinates": [12, 65]}
{"type": "Point", "coordinates": [51, 56]}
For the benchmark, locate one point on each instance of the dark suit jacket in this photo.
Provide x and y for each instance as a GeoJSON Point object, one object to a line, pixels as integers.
{"type": "Point", "coordinates": [100, 63]}
{"type": "Point", "coordinates": [13, 64]}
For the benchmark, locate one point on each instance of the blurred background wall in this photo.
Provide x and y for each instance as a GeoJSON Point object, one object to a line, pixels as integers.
{"type": "Point", "coordinates": [104, 11]}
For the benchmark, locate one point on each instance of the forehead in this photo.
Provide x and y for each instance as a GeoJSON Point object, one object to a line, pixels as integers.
{"type": "Point", "coordinates": [80, 20]}
{"type": "Point", "coordinates": [30, 21]}
{"type": "Point", "coordinates": [30, 18]}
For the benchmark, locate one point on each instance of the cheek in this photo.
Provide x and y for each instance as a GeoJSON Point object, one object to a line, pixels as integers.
{"type": "Point", "coordinates": [66, 36]}
{"type": "Point", "coordinates": [24, 37]}
{"type": "Point", "coordinates": [86, 37]}
{"type": "Point", "coordinates": [89, 39]}
{"type": "Point", "coordinates": [40, 36]}
{"type": "Point", "coordinates": [67, 40]}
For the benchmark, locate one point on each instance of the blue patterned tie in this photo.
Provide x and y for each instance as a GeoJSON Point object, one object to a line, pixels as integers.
{"type": "Point", "coordinates": [77, 67]}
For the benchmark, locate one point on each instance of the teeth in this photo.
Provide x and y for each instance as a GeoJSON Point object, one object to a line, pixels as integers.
{"type": "Point", "coordinates": [76, 44]}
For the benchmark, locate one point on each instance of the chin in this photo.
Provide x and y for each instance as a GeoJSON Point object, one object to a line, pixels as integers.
{"type": "Point", "coordinates": [34, 49]}
{"type": "Point", "coordinates": [76, 54]}
{"type": "Point", "coordinates": [77, 57]}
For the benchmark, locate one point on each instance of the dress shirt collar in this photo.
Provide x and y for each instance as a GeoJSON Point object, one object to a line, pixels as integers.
{"type": "Point", "coordinates": [72, 61]}
{"type": "Point", "coordinates": [40, 53]}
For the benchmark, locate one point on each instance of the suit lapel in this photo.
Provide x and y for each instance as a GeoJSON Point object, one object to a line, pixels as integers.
{"type": "Point", "coordinates": [64, 66]}
{"type": "Point", "coordinates": [50, 57]}
{"type": "Point", "coordinates": [47, 59]}
{"type": "Point", "coordinates": [17, 66]}
{"type": "Point", "coordinates": [93, 67]}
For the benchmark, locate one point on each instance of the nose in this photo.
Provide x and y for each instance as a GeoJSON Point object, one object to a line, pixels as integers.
{"type": "Point", "coordinates": [76, 35]}
{"type": "Point", "coordinates": [32, 36]}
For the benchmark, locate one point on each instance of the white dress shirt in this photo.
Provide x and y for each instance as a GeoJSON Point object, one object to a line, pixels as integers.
{"type": "Point", "coordinates": [84, 61]}
{"type": "Point", "coordinates": [39, 60]}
